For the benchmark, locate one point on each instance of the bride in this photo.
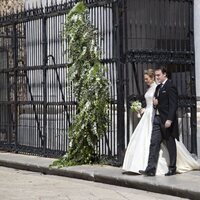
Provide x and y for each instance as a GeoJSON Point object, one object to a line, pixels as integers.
{"type": "Point", "coordinates": [137, 153]}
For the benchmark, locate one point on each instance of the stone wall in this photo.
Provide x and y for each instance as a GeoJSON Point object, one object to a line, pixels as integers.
{"type": "Point", "coordinates": [10, 6]}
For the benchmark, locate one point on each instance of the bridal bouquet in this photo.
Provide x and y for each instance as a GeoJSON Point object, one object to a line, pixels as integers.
{"type": "Point", "coordinates": [136, 106]}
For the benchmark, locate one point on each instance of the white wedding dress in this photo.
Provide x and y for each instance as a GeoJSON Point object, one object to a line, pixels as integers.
{"type": "Point", "coordinates": [137, 153]}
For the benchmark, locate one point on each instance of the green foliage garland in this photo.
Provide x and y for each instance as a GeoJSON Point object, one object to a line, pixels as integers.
{"type": "Point", "coordinates": [90, 87]}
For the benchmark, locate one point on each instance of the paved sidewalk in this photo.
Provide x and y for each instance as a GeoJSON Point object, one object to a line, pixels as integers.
{"type": "Point", "coordinates": [183, 185]}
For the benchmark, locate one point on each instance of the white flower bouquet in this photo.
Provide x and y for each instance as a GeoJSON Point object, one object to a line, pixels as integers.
{"type": "Point", "coordinates": [136, 106]}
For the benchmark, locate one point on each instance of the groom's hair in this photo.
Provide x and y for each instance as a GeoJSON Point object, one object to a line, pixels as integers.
{"type": "Point", "coordinates": [162, 68]}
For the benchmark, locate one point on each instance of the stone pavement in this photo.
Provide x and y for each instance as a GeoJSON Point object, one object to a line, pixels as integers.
{"type": "Point", "coordinates": [182, 185]}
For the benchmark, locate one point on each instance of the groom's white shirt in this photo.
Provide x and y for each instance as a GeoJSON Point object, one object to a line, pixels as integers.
{"type": "Point", "coordinates": [163, 83]}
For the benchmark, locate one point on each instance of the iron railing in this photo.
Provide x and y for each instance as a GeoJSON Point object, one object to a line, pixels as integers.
{"type": "Point", "coordinates": [37, 104]}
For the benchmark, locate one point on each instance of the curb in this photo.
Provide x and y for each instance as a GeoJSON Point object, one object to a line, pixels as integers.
{"type": "Point", "coordinates": [146, 184]}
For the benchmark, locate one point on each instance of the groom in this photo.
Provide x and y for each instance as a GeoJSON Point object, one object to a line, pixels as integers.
{"type": "Point", "coordinates": [165, 123]}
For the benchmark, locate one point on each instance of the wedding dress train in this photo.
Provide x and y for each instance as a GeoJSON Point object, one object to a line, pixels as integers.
{"type": "Point", "coordinates": [137, 153]}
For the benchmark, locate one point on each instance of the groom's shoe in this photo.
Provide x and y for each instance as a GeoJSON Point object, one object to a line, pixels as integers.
{"type": "Point", "coordinates": [170, 172]}
{"type": "Point", "coordinates": [146, 173]}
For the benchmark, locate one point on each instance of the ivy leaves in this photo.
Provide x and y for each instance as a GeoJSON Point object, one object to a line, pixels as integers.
{"type": "Point", "coordinates": [90, 87]}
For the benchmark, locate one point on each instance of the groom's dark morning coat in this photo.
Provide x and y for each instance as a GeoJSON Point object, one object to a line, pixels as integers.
{"type": "Point", "coordinates": [167, 96]}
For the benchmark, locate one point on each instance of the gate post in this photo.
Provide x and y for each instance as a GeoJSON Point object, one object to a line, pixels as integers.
{"type": "Point", "coordinates": [193, 88]}
{"type": "Point", "coordinates": [15, 60]}
{"type": "Point", "coordinates": [44, 41]}
{"type": "Point", "coordinates": [120, 83]}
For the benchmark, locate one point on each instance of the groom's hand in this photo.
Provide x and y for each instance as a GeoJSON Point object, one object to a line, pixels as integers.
{"type": "Point", "coordinates": [155, 101]}
{"type": "Point", "coordinates": [168, 123]}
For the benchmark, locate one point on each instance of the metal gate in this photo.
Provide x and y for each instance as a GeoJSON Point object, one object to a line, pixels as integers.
{"type": "Point", "coordinates": [37, 104]}
{"type": "Point", "coordinates": [36, 101]}
{"type": "Point", "coordinates": [35, 110]}
{"type": "Point", "coordinates": [159, 32]}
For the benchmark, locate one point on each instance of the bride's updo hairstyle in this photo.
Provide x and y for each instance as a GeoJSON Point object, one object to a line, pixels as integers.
{"type": "Point", "coordinates": [150, 73]}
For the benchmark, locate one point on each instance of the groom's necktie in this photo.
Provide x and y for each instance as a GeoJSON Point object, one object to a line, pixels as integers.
{"type": "Point", "coordinates": [160, 86]}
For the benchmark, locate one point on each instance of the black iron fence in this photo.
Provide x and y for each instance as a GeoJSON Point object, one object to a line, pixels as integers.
{"type": "Point", "coordinates": [160, 32]}
{"type": "Point", "coordinates": [37, 104]}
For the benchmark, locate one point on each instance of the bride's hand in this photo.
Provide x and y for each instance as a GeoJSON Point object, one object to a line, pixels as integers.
{"type": "Point", "coordinates": [142, 110]}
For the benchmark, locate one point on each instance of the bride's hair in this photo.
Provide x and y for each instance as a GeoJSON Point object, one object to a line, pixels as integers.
{"type": "Point", "coordinates": [150, 73]}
